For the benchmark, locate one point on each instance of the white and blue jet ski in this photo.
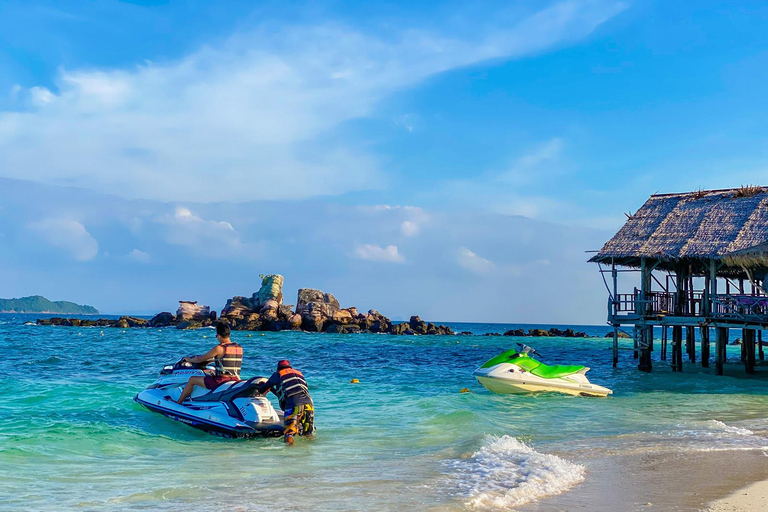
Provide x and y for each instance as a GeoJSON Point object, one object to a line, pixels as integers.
{"type": "Point", "coordinates": [234, 409]}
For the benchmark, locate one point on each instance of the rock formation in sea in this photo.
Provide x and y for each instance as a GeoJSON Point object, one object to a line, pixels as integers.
{"type": "Point", "coordinates": [315, 311]}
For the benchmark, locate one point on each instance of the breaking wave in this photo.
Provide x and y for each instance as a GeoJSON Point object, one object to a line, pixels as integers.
{"type": "Point", "coordinates": [507, 473]}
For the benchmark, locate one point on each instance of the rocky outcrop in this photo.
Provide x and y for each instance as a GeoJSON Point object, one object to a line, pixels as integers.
{"type": "Point", "coordinates": [621, 335]}
{"type": "Point", "coordinates": [316, 311]}
{"type": "Point", "coordinates": [124, 322]}
{"type": "Point", "coordinates": [191, 310]}
{"type": "Point", "coordinates": [163, 319]}
{"type": "Point", "coordinates": [552, 332]}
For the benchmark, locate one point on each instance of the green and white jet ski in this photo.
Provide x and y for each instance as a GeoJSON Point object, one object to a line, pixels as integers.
{"type": "Point", "coordinates": [518, 372]}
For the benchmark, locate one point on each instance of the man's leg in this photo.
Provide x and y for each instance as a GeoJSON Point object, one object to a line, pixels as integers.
{"type": "Point", "coordinates": [291, 423]}
{"type": "Point", "coordinates": [191, 383]}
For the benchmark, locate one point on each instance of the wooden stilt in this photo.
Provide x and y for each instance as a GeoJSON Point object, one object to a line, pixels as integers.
{"type": "Point", "coordinates": [705, 347]}
{"type": "Point", "coordinates": [720, 343]}
{"type": "Point", "coordinates": [615, 347]}
{"type": "Point", "coordinates": [635, 337]}
{"type": "Point", "coordinates": [760, 345]}
{"type": "Point", "coordinates": [744, 345]}
{"type": "Point", "coordinates": [664, 339]}
{"type": "Point", "coordinates": [690, 343]}
{"type": "Point", "coordinates": [677, 348]}
{"type": "Point", "coordinates": [749, 347]}
{"type": "Point", "coordinates": [645, 342]}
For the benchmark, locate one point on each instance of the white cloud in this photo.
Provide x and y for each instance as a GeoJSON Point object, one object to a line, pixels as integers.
{"type": "Point", "coordinates": [186, 228]}
{"type": "Point", "coordinates": [252, 118]}
{"type": "Point", "coordinates": [409, 228]}
{"type": "Point", "coordinates": [541, 162]}
{"type": "Point", "coordinates": [375, 253]}
{"type": "Point", "coordinates": [69, 236]}
{"type": "Point", "coordinates": [474, 263]}
{"type": "Point", "coordinates": [138, 256]}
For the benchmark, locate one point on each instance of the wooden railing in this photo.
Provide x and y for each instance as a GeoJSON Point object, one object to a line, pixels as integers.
{"type": "Point", "coordinates": [661, 303]}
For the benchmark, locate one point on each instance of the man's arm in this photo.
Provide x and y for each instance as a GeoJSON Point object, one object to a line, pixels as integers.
{"type": "Point", "coordinates": [274, 380]}
{"type": "Point", "coordinates": [214, 352]}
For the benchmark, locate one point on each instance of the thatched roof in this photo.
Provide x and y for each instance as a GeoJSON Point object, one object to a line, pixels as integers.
{"type": "Point", "coordinates": [730, 226]}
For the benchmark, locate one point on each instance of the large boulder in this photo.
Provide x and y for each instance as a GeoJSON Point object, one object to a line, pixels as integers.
{"type": "Point", "coordinates": [269, 298]}
{"type": "Point", "coordinates": [191, 310]}
{"type": "Point", "coordinates": [163, 319]}
{"type": "Point", "coordinates": [316, 309]}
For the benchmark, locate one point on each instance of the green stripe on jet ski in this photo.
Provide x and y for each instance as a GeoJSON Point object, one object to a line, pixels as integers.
{"type": "Point", "coordinates": [529, 364]}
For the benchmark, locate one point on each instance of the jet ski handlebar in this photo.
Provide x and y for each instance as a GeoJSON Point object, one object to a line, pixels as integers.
{"type": "Point", "coordinates": [525, 349]}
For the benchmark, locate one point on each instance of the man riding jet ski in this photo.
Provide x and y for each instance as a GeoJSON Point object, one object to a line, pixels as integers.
{"type": "Point", "coordinates": [518, 372]}
{"type": "Point", "coordinates": [210, 396]}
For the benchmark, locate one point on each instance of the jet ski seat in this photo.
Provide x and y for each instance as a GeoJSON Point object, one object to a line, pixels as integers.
{"type": "Point", "coordinates": [546, 371]}
{"type": "Point", "coordinates": [227, 393]}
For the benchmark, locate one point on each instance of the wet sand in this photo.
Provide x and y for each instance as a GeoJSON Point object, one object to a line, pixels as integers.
{"type": "Point", "coordinates": [676, 481]}
{"type": "Point", "coordinates": [750, 499]}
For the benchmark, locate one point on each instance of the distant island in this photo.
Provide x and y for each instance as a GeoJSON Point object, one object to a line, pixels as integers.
{"type": "Point", "coordinates": [39, 304]}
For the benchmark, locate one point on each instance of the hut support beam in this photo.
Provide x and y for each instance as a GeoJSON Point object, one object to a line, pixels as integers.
{"type": "Point", "coordinates": [720, 344]}
{"type": "Point", "coordinates": [615, 308]}
{"type": "Point", "coordinates": [705, 347]}
{"type": "Point", "coordinates": [760, 344]}
{"type": "Point", "coordinates": [749, 346]}
{"type": "Point", "coordinates": [664, 339]}
{"type": "Point", "coordinates": [646, 345]}
{"type": "Point", "coordinates": [690, 343]}
{"type": "Point", "coordinates": [677, 348]}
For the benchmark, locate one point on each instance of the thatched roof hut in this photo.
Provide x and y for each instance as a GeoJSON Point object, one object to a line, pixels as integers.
{"type": "Point", "coordinates": [727, 226]}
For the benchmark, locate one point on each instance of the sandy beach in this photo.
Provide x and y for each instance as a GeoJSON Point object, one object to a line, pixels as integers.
{"type": "Point", "coordinates": [675, 481]}
{"type": "Point", "coordinates": [752, 498]}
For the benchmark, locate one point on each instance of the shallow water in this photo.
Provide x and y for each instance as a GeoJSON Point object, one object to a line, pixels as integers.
{"type": "Point", "coordinates": [71, 436]}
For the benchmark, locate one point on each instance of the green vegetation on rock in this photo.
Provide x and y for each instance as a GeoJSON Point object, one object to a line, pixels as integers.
{"type": "Point", "coordinates": [38, 304]}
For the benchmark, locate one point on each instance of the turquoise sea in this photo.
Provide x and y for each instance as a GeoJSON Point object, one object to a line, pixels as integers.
{"type": "Point", "coordinates": [404, 438]}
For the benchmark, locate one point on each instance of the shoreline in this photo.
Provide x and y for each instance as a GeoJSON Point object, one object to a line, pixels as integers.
{"type": "Point", "coordinates": [669, 481]}
{"type": "Point", "coordinates": [752, 498]}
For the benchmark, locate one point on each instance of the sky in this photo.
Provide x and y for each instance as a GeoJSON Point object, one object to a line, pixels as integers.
{"type": "Point", "coordinates": [448, 160]}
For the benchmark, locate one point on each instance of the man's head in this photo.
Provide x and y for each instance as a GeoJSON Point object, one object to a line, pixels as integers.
{"type": "Point", "coordinates": [284, 364]}
{"type": "Point", "coordinates": [223, 331]}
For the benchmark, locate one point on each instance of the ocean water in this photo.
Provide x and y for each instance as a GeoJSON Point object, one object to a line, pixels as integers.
{"type": "Point", "coordinates": [404, 438]}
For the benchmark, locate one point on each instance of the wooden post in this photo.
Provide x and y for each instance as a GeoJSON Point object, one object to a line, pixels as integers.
{"type": "Point", "coordinates": [646, 336]}
{"type": "Point", "coordinates": [760, 344]}
{"type": "Point", "coordinates": [744, 346]}
{"type": "Point", "coordinates": [614, 274]}
{"type": "Point", "coordinates": [690, 343]}
{"type": "Point", "coordinates": [749, 345]}
{"type": "Point", "coordinates": [705, 347]}
{"type": "Point", "coordinates": [635, 336]}
{"type": "Point", "coordinates": [664, 339]}
{"type": "Point", "coordinates": [677, 348]}
{"type": "Point", "coordinates": [713, 287]}
{"type": "Point", "coordinates": [720, 344]}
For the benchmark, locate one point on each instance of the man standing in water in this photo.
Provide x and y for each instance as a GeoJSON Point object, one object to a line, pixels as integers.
{"type": "Point", "coordinates": [228, 358]}
{"type": "Point", "coordinates": [291, 389]}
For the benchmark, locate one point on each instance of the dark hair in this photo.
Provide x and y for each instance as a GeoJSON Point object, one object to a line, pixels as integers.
{"type": "Point", "coordinates": [223, 330]}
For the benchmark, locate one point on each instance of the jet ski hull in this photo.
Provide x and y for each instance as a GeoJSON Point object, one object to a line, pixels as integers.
{"type": "Point", "coordinates": [509, 378]}
{"type": "Point", "coordinates": [233, 410]}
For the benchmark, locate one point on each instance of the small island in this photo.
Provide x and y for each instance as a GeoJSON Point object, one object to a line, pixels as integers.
{"type": "Point", "coordinates": [39, 304]}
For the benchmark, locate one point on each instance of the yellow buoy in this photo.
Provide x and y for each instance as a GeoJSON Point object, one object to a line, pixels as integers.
{"type": "Point", "coordinates": [205, 336]}
{"type": "Point", "coordinates": [464, 390]}
{"type": "Point", "coordinates": [102, 333]}
{"type": "Point", "coordinates": [262, 334]}
{"type": "Point", "coordinates": [249, 335]}
{"type": "Point", "coordinates": [354, 381]}
{"type": "Point", "coordinates": [79, 334]}
{"type": "Point", "coordinates": [123, 332]}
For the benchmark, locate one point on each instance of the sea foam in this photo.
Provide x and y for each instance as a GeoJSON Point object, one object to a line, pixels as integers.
{"type": "Point", "coordinates": [507, 473]}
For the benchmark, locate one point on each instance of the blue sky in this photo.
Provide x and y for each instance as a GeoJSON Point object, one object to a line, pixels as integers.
{"type": "Point", "coordinates": [435, 158]}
